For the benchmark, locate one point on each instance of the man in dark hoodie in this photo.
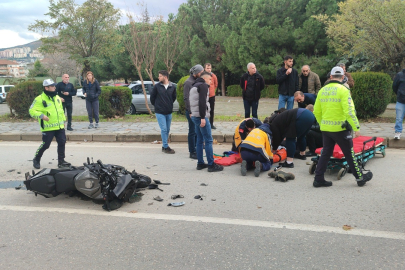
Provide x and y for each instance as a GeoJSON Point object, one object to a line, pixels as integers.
{"type": "Point", "coordinates": [252, 83]}
{"type": "Point", "coordinates": [195, 73]}
{"type": "Point", "coordinates": [200, 113]}
{"type": "Point", "coordinates": [163, 96]}
{"type": "Point", "coordinates": [288, 83]}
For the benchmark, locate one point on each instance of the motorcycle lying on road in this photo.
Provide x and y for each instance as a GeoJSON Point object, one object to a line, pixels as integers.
{"type": "Point", "coordinates": [112, 184]}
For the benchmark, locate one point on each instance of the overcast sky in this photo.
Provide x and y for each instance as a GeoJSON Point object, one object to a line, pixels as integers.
{"type": "Point", "coordinates": [16, 15]}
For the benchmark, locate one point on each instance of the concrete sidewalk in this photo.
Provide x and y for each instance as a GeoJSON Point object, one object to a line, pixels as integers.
{"type": "Point", "coordinates": [149, 132]}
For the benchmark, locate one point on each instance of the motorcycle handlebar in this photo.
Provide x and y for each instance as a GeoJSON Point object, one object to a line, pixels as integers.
{"type": "Point", "coordinates": [101, 164]}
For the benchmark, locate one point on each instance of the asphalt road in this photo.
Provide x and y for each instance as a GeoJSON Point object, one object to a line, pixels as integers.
{"type": "Point", "coordinates": [242, 223]}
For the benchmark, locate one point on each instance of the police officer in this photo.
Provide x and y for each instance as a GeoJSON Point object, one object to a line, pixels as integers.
{"type": "Point", "coordinates": [334, 110]}
{"type": "Point", "coordinates": [48, 109]}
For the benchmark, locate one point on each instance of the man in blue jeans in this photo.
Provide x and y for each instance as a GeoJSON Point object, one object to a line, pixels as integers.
{"type": "Point", "coordinates": [399, 89]}
{"type": "Point", "coordinates": [195, 73]}
{"type": "Point", "coordinates": [288, 83]}
{"type": "Point", "coordinates": [200, 114]}
{"type": "Point", "coordinates": [162, 97]}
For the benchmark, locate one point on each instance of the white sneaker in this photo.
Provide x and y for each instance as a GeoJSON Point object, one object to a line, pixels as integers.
{"type": "Point", "coordinates": [397, 136]}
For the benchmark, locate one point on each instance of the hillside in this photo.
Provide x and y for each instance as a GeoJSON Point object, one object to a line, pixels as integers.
{"type": "Point", "coordinates": [33, 45]}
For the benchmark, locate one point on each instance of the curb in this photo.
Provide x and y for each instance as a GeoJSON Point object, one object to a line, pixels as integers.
{"type": "Point", "coordinates": [138, 137]}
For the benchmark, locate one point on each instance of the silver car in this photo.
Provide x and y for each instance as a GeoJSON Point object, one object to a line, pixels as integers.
{"type": "Point", "coordinates": [138, 99]}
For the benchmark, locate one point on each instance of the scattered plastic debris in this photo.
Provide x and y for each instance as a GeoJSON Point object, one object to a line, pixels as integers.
{"type": "Point", "coordinates": [203, 184]}
{"type": "Point", "coordinates": [176, 196]}
{"type": "Point", "coordinates": [156, 142]}
{"type": "Point", "coordinates": [198, 197]}
{"type": "Point", "coordinates": [158, 199]}
{"type": "Point", "coordinates": [160, 183]}
{"type": "Point", "coordinates": [11, 170]}
{"type": "Point", "coordinates": [213, 200]}
{"type": "Point", "coordinates": [176, 204]}
{"type": "Point", "coordinates": [154, 186]}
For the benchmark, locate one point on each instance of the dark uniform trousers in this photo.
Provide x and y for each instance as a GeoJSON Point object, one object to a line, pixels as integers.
{"type": "Point", "coordinates": [47, 137]}
{"type": "Point", "coordinates": [68, 106]}
{"type": "Point", "coordinates": [345, 142]}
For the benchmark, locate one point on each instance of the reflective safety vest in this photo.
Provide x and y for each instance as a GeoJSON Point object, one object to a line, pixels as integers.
{"type": "Point", "coordinates": [258, 141]}
{"type": "Point", "coordinates": [43, 105]}
{"type": "Point", "coordinates": [333, 107]}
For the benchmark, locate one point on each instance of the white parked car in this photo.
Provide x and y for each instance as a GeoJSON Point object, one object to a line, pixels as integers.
{"type": "Point", "coordinates": [80, 93]}
{"type": "Point", "coordinates": [4, 89]}
{"type": "Point", "coordinates": [138, 99]}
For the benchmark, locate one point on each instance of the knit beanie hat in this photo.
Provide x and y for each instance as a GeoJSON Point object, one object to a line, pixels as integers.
{"type": "Point", "coordinates": [196, 69]}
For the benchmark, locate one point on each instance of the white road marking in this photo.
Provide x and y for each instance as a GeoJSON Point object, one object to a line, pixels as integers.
{"type": "Point", "coordinates": [215, 220]}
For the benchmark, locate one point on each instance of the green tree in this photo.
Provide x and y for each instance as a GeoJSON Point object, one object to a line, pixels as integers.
{"type": "Point", "coordinates": [38, 71]}
{"type": "Point", "coordinates": [263, 31]}
{"type": "Point", "coordinates": [207, 24]}
{"type": "Point", "coordinates": [86, 32]}
{"type": "Point", "coordinates": [372, 29]}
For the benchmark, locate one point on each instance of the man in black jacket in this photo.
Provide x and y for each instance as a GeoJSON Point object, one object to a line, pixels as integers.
{"type": "Point", "coordinates": [288, 83]}
{"type": "Point", "coordinates": [195, 73]}
{"type": "Point", "coordinates": [252, 83]}
{"type": "Point", "coordinates": [399, 89]}
{"type": "Point", "coordinates": [163, 96]}
{"type": "Point", "coordinates": [66, 90]}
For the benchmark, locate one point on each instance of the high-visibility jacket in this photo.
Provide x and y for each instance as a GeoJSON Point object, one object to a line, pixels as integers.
{"type": "Point", "coordinates": [44, 105]}
{"type": "Point", "coordinates": [241, 132]}
{"type": "Point", "coordinates": [258, 140]}
{"type": "Point", "coordinates": [333, 107]}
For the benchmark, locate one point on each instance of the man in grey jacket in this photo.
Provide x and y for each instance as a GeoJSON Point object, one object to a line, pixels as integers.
{"type": "Point", "coordinates": [200, 114]}
{"type": "Point", "coordinates": [195, 73]}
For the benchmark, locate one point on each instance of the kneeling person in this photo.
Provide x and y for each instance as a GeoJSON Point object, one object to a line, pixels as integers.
{"type": "Point", "coordinates": [256, 150]}
{"type": "Point", "coordinates": [242, 130]}
{"type": "Point", "coordinates": [48, 109]}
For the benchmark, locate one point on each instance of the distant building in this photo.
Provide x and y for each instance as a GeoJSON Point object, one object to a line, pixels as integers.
{"type": "Point", "coordinates": [36, 54]}
{"type": "Point", "coordinates": [6, 54]}
{"type": "Point", "coordinates": [23, 52]}
{"type": "Point", "coordinates": [12, 68]}
{"type": "Point", "coordinates": [20, 55]}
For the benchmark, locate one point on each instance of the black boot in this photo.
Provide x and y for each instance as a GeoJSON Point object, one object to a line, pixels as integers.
{"type": "Point", "coordinates": [366, 177]}
{"type": "Point", "coordinates": [36, 163]}
{"type": "Point", "coordinates": [322, 183]}
{"type": "Point", "coordinates": [69, 127]}
{"type": "Point", "coordinates": [193, 155]}
{"type": "Point", "coordinates": [62, 164]}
